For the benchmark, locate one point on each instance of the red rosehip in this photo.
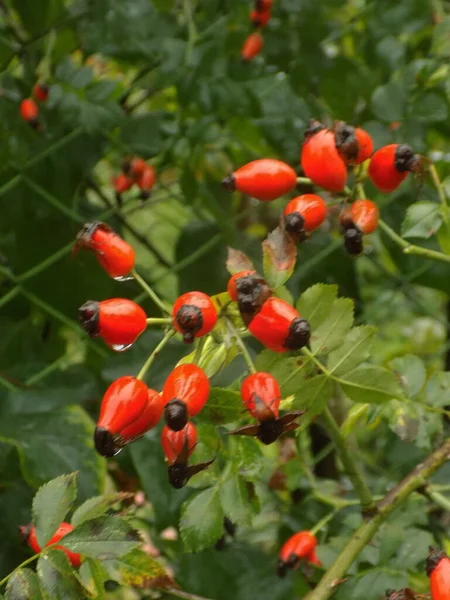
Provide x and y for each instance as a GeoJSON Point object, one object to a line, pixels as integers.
{"type": "Point", "coordinates": [353, 144]}
{"type": "Point", "coordinates": [304, 214]}
{"type": "Point", "coordinates": [114, 254]}
{"type": "Point", "coordinates": [260, 18]}
{"type": "Point", "coordinates": [360, 219]}
{"type": "Point", "coordinates": [261, 395]}
{"type": "Point", "coordinates": [252, 46]}
{"type": "Point", "coordinates": [391, 164]}
{"type": "Point", "coordinates": [118, 321]}
{"type": "Point", "coordinates": [298, 547]}
{"type": "Point", "coordinates": [174, 442]}
{"type": "Point", "coordinates": [250, 291]}
{"type": "Point", "coordinates": [263, 4]}
{"type": "Point", "coordinates": [28, 533]}
{"type": "Point", "coordinates": [194, 315]}
{"type": "Point", "coordinates": [128, 410]}
{"type": "Point", "coordinates": [40, 92]}
{"type": "Point", "coordinates": [314, 559]}
{"type": "Point", "coordinates": [321, 162]}
{"type": "Point", "coordinates": [184, 394]}
{"type": "Point", "coordinates": [122, 183]}
{"type": "Point", "coordinates": [438, 570]}
{"type": "Point", "coordinates": [280, 327]}
{"type": "Point", "coordinates": [365, 146]}
{"type": "Point", "coordinates": [265, 179]}
{"type": "Point", "coordinates": [146, 181]}
{"type": "Point", "coordinates": [134, 167]}
{"type": "Point", "coordinates": [29, 111]}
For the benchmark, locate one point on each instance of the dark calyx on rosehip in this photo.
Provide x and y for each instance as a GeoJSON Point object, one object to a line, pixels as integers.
{"type": "Point", "coordinates": [284, 565]}
{"type": "Point", "coordinates": [176, 414]}
{"type": "Point", "coordinates": [252, 291]}
{"type": "Point", "coordinates": [89, 317]}
{"type": "Point", "coordinates": [433, 559]}
{"type": "Point", "coordinates": [190, 320]}
{"type": "Point", "coordinates": [313, 128]}
{"type": "Point", "coordinates": [353, 241]}
{"type": "Point", "coordinates": [294, 224]}
{"type": "Point", "coordinates": [229, 183]}
{"type": "Point", "coordinates": [269, 430]}
{"type": "Point", "coordinates": [180, 472]}
{"type": "Point", "coordinates": [406, 160]}
{"type": "Point", "coordinates": [346, 140]}
{"type": "Point", "coordinates": [299, 334]}
{"type": "Point", "coordinates": [104, 442]}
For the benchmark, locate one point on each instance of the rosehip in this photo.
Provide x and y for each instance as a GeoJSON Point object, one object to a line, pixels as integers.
{"type": "Point", "coordinates": [391, 164]}
{"type": "Point", "coordinates": [194, 315]}
{"type": "Point", "coordinates": [361, 218]}
{"type": "Point", "coordinates": [40, 92]}
{"type": "Point", "coordinates": [298, 547]}
{"type": "Point", "coordinates": [304, 214]}
{"type": "Point", "coordinates": [134, 167]}
{"type": "Point", "coordinates": [321, 162]}
{"type": "Point", "coordinates": [250, 291]}
{"type": "Point", "coordinates": [114, 254]}
{"type": "Point", "coordinates": [260, 18]}
{"type": "Point", "coordinates": [122, 183]}
{"type": "Point", "coordinates": [129, 409]}
{"type": "Point", "coordinates": [353, 144]}
{"type": "Point", "coordinates": [252, 46]}
{"type": "Point", "coordinates": [438, 570]}
{"type": "Point", "coordinates": [280, 327]}
{"type": "Point", "coordinates": [314, 559]}
{"type": "Point", "coordinates": [314, 127]}
{"type": "Point", "coordinates": [265, 179]}
{"type": "Point", "coordinates": [29, 111]}
{"type": "Point", "coordinates": [28, 533]}
{"type": "Point", "coordinates": [184, 394]}
{"type": "Point", "coordinates": [146, 181]}
{"type": "Point", "coordinates": [365, 143]}
{"type": "Point", "coordinates": [118, 321]}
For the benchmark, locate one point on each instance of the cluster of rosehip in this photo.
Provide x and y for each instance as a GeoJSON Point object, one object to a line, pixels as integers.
{"type": "Point", "coordinates": [325, 158]}
{"type": "Point", "coordinates": [135, 171]}
{"type": "Point", "coordinates": [259, 17]}
{"type": "Point", "coordinates": [29, 109]}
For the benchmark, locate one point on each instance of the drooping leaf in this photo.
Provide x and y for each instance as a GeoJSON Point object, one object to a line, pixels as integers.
{"type": "Point", "coordinates": [57, 578]}
{"type": "Point", "coordinates": [238, 261]}
{"type": "Point", "coordinates": [138, 569]}
{"type": "Point", "coordinates": [422, 220]}
{"type": "Point", "coordinates": [23, 585]}
{"type": "Point", "coordinates": [97, 506]}
{"type": "Point", "coordinates": [372, 385]}
{"type": "Point", "coordinates": [279, 257]}
{"type": "Point", "coordinates": [201, 520]}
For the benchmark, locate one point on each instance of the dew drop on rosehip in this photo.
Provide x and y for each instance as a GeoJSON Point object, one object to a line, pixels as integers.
{"type": "Point", "coordinates": [124, 278]}
{"type": "Point", "coordinates": [120, 347]}
{"type": "Point", "coordinates": [117, 451]}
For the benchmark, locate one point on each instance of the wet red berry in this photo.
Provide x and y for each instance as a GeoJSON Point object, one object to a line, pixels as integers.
{"type": "Point", "coordinates": [250, 291]}
{"type": "Point", "coordinates": [298, 547]}
{"type": "Point", "coordinates": [29, 111]}
{"type": "Point", "coordinates": [115, 255]}
{"type": "Point", "coordinates": [438, 570]}
{"type": "Point", "coordinates": [185, 393]}
{"type": "Point", "coordinates": [321, 162]}
{"type": "Point", "coordinates": [260, 18]}
{"type": "Point", "coordinates": [28, 533]}
{"type": "Point", "coordinates": [304, 214]}
{"type": "Point", "coordinates": [391, 164]}
{"type": "Point", "coordinates": [261, 395]}
{"type": "Point", "coordinates": [174, 442]}
{"type": "Point", "coordinates": [280, 327]}
{"type": "Point", "coordinates": [252, 46]}
{"type": "Point", "coordinates": [128, 410]}
{"type": "Point", "coordinates": [41, 92]}
{"type": "Point", "coordinates": [265, 179]}
{"type": "Point", "coordinates": [118, 321]}
{"type": "Point", "coordinates": [194, 315]}
{"type": "Point", "coordinates": [122, 183]}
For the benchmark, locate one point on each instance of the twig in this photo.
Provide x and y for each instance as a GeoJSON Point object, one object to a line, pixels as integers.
{"type": "Point", "coordinates": [148, 363]}
{"type": "Point", "coordinates": [411, 248]}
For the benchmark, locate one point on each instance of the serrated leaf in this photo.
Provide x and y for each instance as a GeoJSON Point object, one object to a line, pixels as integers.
{"type": "Point", "coordinates": [57, 578]}
{"type": "Point", "coordinates": [312, 395]}
{"type": "Point", "coordinates": [372, 385]}
{"type": "Point", "coordinates": [238, 261]}
{"type": "Point", "coordinates": [139, 570]}
{"type": "Point", "coordinates": [51, 504]}
{"type": "Point", "coordinates": [354, 350]}
{"type": "Point", "coordinates": [23, 585]}
{"type": "Point", "coordinates": [284, 368]}
{"type": "Point", "coordinates": [422, 220]}
{"type": "Point", "coordinates": [279, 257]}
{"type": "Point", "coordinates": [412, 373]}
{"type": "Point", "coordinates": [97, 506]}
{"type": "Point", "coordinates": [103, 537]}
{"type": "Point", "coordinates": [93, 576]}
{"type": "Point", "coordinates": [235, 499]}
{"type": "Point", "coordinates": [437, 391]}
{"type": "Point", "coordinates": [413, 423]}
{"type": "Point", "coordinates": [246, 454]}
{"type": "Point", "coordinates": [202, 520]}
{"type": "Point", "coordinates": [333, 329]}
{"type": "Point", "coordinates": [316, 302]}
{"type": "Point", "coordinates": [223, 406]}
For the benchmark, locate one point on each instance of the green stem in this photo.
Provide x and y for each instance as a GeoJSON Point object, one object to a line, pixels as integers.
{"type": "Point", "coordinates": [360, 191]}
{"type": "Point", "coordinates": [440, 500]}
{"type": "Point", "coordinates": [361, 488]}
{"type": "Point", "coordinates": [411, 248]}
{"type": "Point", "coordinates": [304, 180]}
{"type": "Point", "coordinates": [362, 536]}
{"type": "Point", "coordinates": [242, 346]}
{"type": "Point", "coordinates": [199, 350]}
{"type": "Point", "coordinates": [441, 192]}
{"type": "Point", "coordinates": [21, 566]}
{"type": "Point", "coordinates": [156, 321]}
{"type": "Point", "coordinates": [144, 285]}
{"type": "Point", "coordinates": [321, 524]}
{"type": "Point", "coordinates": [148, 363]}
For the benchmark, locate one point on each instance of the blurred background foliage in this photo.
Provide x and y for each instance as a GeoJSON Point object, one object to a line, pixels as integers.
{"type": "Point", "coordinates": [163, 79]}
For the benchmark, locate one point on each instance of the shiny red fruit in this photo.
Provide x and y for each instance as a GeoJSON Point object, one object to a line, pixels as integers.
{"type": "Point", "coordinates": [250, 291]}
{"type": "Point", "coordinates": [185, 393]}
{"type": "Point", "coordinates": [232, 283]}
{"type": "Point", "coordinates": [303, 215]}
{"type": "Point", "coordinates": [438, 570]}
{"type": "Point", "coordinates": [252, 46]}
{"type": "Point", "coordinates": [354, 145]}
{"type": "Point", "coordinates": [29, 535]}
{"type": "Point", "coordinates": [114, 254]}
{"type": "Point", "coordinates": [118, 321]}
{"type": "Point", "coordinates": [265, 179]}
{"type": "Point", "coordinates": [298, 547]}
{"type": "Point", "coordinates": [194, 315]}
{"type": "Point", "coordinates": [29, 111]}
{"type": "Point", "coordinates": [122, 183]}
{"type": "Point", "coordinates": [261, 395]}
{"type": "Point", "coordinates": [134, 167]}
{"type": "Point", "coordinates": [41, 92]}
{"type": "Point", "coordinates": [260, 18]}
{"type": "Point", "coordinates": [365, 146]}
{"type": "Point", "coordinates": [391, 164]}
{"type": "Point", "coordinates": [280, 327]}
{"type": "Point", "coordinates": [128, 410]}
{"type": "Point", "coordinates": [365, 215]}
{"type": "Point", "coordinates": [321, 162]}
{"type": "Point", "coordinates": [174, 442]}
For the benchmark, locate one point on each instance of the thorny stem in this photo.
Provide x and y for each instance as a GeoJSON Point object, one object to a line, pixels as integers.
{"type": "Point", "coordinates": [148, 363]}
{"type": "Point", "coordinates": [411, 248]}
{"type": "Point", "coordinates": [242, 346]}
{"type": "Point", "coordinates": [144, 285]}
{"type": "Point", "coordinates": [362, 536]}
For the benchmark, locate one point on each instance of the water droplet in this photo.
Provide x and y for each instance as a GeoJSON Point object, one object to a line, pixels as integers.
{"type": "Point", "coordinates": [124, 278]}
{"type": "Point", "coordinates": [120, 347]}
{"type": "Point", "coordinates": [117, 451]}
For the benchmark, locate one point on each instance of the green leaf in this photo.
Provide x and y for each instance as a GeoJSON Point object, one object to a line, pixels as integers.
{"type": "Point", "coordinates": [441, 38]}
{"type": "Point", "coordinates": [412, 373]}
{"type": "Point", "coordinates": [202, 520]}
{"type": "Point", "coordinates": [371, 585]}
{"type": "Point", "coordinates": [279, 257]}
{"type": "Point", "coordinates": [235, 499]}
{"type": "Point", "coordinates": [51, 504]}
{"type": "Point", "coordinates": [429, 108]}
{"type": "Point", "coordinates": [23, 585]}
{"type": "Point", "coordinates": [437, 391]}
{"type": "Point", "coordinates": [312, 395]}
{"type": "Point", "coordinates": [247, 456]}
{"type": "Point", "coordinates": [354, 350]}
{"type": "Point", "coordinates": [410, 553]}
{"type": "Point", "coordinates": [57, 578]}
{"type": "Point", "coordinates": [413, 423]}
{"type": "Point", "coordinates": [139, 570]}
{"type": "Point", "coordinates": [93, 576]}
{"type": "Point", "coordinates": [372, 385]}
{"type": "Point", "coordinates": [389, 101]}
{"type": "Point", "coordinates": [103, 537]}
{"type": "Point", "coordinates": [223, 406]}
{"type": "Point", "coordinates": [316, 302]}
{"type": "Point", "coordinates": [97, 506]}
{"type": "Point", "coordinates": [422, 220]}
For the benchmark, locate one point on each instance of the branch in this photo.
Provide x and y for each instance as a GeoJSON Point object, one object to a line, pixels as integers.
{"type": "Point", "coordinates": [362, 536]}
{"type": "Point", "coordinates": [411, 248]}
